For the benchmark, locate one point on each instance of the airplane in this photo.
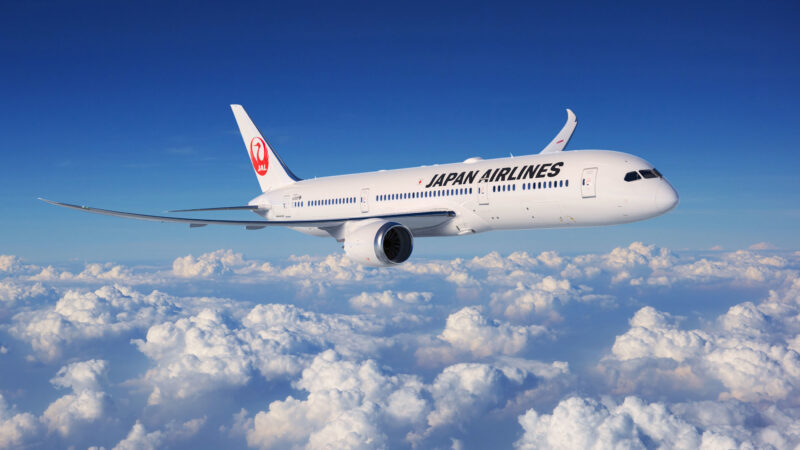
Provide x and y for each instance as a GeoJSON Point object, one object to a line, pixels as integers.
{"type": "Point", "coordinates": [378, 215]}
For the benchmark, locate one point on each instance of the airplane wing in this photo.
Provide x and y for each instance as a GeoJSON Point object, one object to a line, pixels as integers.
{"type": "Point", "coordinates": [420, 219]}
{"type": "Point", "coordinates": [560, 141]}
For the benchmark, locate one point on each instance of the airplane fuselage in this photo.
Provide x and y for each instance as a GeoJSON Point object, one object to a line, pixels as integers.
{"type": "Point", "coordinates": [565, 189]}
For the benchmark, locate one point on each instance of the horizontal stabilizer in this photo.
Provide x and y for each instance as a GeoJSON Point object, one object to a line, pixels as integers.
{"type": "Point", "coordinates": [562, 139]}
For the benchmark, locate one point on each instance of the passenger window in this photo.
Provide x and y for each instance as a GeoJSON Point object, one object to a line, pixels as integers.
{"type": "Point", "coordinates": [647, 173]}
{"type": "Point", "coordinates": [632, 176]}
{"type": "Point", "coordinates": [566, 183]}
{"type": "Point", "coordinates": [560, 183]}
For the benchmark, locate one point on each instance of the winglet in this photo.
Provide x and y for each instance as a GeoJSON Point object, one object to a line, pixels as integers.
{"type": "Point", "coordinates": [560, 141]}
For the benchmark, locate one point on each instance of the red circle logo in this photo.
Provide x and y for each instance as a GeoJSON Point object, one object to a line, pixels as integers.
{"type": "Point", "coordinates": [259, 155]}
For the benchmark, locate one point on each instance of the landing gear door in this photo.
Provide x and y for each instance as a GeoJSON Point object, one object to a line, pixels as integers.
{"type": "Point", "coordinates": [589, 183]}
{"type": "Point", "coordinates": [365, 200]}
{"type": "Point", "coordinates": [483, 195]}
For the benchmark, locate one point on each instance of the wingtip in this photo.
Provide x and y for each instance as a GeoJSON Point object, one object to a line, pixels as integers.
{"type": "Point", "coordinates": [571, 115]}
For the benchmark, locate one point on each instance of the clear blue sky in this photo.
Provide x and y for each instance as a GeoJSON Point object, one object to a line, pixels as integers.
{"type": "Point", "coordinates": [125, 106]}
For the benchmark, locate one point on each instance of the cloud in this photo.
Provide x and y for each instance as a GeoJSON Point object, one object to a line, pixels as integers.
{"type": "Point", "coordinates": [346, 405]}
{"type": "Point", "coordinates": [86, 404]}
{"type": "Point", "coordinates": [749, 349]}
{"type": "Point", "coordinates": [208, 264]}
{"type": "Point", "coordinates": [15, 429]}
{"type": "Point", "coordinates": [11, 291]}
{"type": "Point", "coordinates": [389, 300]}
{"type": "Point", "coordinates": [194, 354]}
{"type": "Point", "coordinates": [762, 246]}
{"type": "Point", "coordinates": [531, 298]}
{"type": "Point", "coordinates": [208, 350]}
{"type": "Point", "coordinates": [586, 423]}
{"type": "Point", "coordinates": [139, 439]}
{"type": "Point", "coordinates": [82, 315]}
{"type": "Point", "coordinates": [468, 331]}
{"type": "Point", "coordinates": [327, 353]}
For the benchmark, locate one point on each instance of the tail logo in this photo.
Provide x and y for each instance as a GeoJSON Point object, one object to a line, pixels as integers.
{"type": "Point", "coordinates": [258, 154]}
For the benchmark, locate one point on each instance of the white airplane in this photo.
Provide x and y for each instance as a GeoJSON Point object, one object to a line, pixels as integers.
{"type": "Point", "coordinates": [377, 215]}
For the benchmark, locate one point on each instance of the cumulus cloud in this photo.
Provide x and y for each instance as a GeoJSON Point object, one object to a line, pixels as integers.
{"type": "Point", "coordinates": [82, 315]}
{"type": "Point", "coordinates": [346, 405]}
{"type": "Point", "coordinates": [531, 298]}
{"type": "Point", "coordinates": [11, 291]}
{"type": "Point", "coordinates": [194, 354]}
{"type": "Point", "coordinates": [586, 423]}
{"type": "Point", "coordinates": [468, 331]}
{"type": "Point", "coordinates": [207, 350]}
{"type": "Point", "coordinates": [763, 246]}
{"type": "Point", "coordinates": [208, 264]}
{"type": "Point", "coordinates": [356, 404]}
{"type": "Point", "coordinates": [389, 300]}
{"type": "Point", "coordinates": [139, 439]}
{"type": "Point", "coordinates": [433, 354]}
{"type": "Point", "coordinates": [15, 429]}
{"type": "Point", "coordinates": [749, 349]}
{"type": "Point", "coordinates": [86, 403]}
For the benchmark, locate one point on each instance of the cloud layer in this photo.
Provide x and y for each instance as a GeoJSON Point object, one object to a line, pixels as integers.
{"type": "Point", "coordinates": [639, 347]}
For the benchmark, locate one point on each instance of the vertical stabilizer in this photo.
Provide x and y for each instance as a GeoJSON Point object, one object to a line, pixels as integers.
{"type": "Point", "coordinates": [270, 170]}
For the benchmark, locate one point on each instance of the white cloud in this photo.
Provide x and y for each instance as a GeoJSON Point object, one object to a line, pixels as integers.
{"type": "Point", "coordinates": [762, 246]}
{"type": "Point", "coordinates": [10, 264]}
{"type": "Point", "coordinates": [467, 330]}
{"type": "Point", "coordinates": [139, 439]}
{"type": "Point", "coordinates": [531, 298]}
{"type": "Point", "coordinates": [749, 349]}
{"type": "Point", "coordinates": [382, 358]}
{"type": "Point", "coordinates": [346, 405]}
{"type": "Point", "coordinates": [208, 264]}
{"type": "Point", "coordinates": [107, 311]}
{"type": "Point", "coordinates": [11, 291]}
{"type": "Point", "coordinates": [585, 423]}
{"type": "Point", "coordinates": [15, 429]}
{"type": "Point", "coordinates": [202, 352]}
{"type": "Point", "coordinates": [86, 404]}
{"type": "Point", "coordinates": [389, 300]}
{"type": "Point", "coordinates": [193, 355]}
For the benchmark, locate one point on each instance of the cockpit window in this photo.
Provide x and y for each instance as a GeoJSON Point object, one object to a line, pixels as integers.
{"type": "Point", "coordinates": [658, 173]}
{"type": "Point", "coordinates": [648, 173]}
{"type": "Point", "coordinates": [632, 176]}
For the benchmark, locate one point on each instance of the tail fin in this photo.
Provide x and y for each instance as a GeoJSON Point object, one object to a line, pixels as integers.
{"type": "Point", "coordinates": [269, 168]}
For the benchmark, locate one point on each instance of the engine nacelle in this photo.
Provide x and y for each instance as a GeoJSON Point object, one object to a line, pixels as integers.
{"type": "Point", "coordinates": [378, 243]}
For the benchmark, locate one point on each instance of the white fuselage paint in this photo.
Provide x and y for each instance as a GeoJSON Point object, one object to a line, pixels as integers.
{"type": "Point", "coordinates": [584, 197]}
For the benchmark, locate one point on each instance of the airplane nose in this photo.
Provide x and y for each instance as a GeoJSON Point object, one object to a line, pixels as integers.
{"type": "Point", "coordinates": [666, 197]}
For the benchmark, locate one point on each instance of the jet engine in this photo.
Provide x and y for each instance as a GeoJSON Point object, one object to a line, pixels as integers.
{"type": "Point", "coordinates": [378, 243]}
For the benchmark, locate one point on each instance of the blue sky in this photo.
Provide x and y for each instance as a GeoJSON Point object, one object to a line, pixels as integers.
{"type": "Point", "coordinates": [126, 106]}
